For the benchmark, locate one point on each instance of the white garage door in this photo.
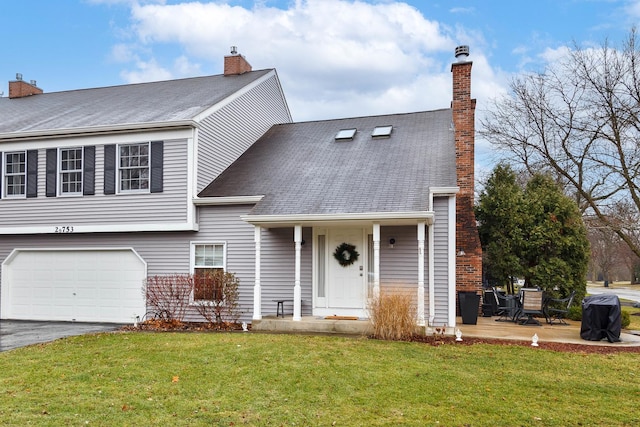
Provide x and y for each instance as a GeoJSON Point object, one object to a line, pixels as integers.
{"type": "Point", "coordinates": [101, 285]}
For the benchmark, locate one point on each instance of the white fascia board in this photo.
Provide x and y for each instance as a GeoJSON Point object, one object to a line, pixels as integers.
{"type": "Point", "coordinates": [96, 130]}
{"type": "Point", "coordinates": [100, 139]}
{"type": "Point", "coordinates": [284, 98]}
{"type": "Point", "coordinates": [70, 228]}
{"type": "Point", "coordinates": [441, 191]}
{"type": "Point", "coordinates": [16, 251]}
{"type": "Point", "coordinates": [229, 99]}
{"type": "Point", "coordinates": [229, 200]}
{"type": "Point", "coordinates": [383, 218]}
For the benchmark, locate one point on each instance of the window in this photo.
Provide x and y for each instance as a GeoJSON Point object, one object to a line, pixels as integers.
{"type": "Point", "coordinates": [207, 258]}
{"type": "Point", "coordinates": [133, 169]}
{"type": "Point", "coordinates": [382, 132]}
{"type": "Point", "coordinates": [71, 171]}
{"type": "Point", "coordinates": [346, 134]}
{"type": "Point", "coordinates": [322, 282]}
{"type": "Point", "coordinates": [15, 176]}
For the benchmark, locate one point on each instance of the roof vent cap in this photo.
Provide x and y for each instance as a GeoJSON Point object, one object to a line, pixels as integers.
{"type": "Point", "coordinates": [462, 52]}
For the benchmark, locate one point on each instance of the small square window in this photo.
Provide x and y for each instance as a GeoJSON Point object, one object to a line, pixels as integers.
{"type": "Point", "coordinates": [382, 131]}
{"type": "Point", "coordinates": [345, 134]}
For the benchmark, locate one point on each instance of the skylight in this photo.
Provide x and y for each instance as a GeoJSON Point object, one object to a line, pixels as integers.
{"type": "Point", "coordinates": [344, 134]}
{"type": "Point", "coordinates": [382, 131]}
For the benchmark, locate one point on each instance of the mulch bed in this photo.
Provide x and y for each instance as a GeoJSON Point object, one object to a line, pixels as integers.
{"type": "Point", "coordinates": [174, 326]}
{"type": "Point", "coordinates": [554, 346]}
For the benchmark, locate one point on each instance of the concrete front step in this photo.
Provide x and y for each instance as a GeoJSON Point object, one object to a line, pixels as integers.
{"type": "Point", "coordinates": [312, 325]}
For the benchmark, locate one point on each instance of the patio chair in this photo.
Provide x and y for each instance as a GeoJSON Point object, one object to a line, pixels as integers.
{"type": "Point", "coordinates": [507, 306]}
{"type": "Point", "coordinates": [556, 309]}
{"type": "Point", "coordinates": [532, 305]}
{"type": "Point", "coordinates": [489, 299]}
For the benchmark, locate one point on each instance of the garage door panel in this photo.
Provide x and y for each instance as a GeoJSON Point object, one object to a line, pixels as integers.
{"type": "Point", "coordinates": [77, 285]}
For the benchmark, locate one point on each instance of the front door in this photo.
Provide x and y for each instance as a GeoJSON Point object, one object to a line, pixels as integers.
{"type": "Point", "coordinates": [346, 284]}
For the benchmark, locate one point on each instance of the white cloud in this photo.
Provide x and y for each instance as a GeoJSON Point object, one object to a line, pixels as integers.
{"type": "Point", "coordinates": [146, 71]}
{"type": "Point", "coordinates": [335, 58]}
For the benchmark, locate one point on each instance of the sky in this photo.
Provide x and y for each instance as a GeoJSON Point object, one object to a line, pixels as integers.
{"type": "Point", "coordinates": [334, 58]}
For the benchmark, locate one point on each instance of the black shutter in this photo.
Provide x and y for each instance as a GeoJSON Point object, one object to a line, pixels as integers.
{"type": "Point", "coordinates": [110, 169]}
{"type": "Point", "coordinates": [89, 171]}
{"type": "Point", "coordinates": [1, 180]}
{"type": "Point", "coordinates": [51, 172]}
{"type": "Point", "coordinates": [157, 160]}
{"type": "Point", "coordinates": [32, 173]}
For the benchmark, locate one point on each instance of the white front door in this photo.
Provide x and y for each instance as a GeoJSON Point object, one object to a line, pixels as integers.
{"type": "Point", "coordinates": [346, 284]}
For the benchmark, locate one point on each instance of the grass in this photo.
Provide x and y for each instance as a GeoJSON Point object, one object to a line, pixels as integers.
{"type": "Point", "coordinates": [227, 379]}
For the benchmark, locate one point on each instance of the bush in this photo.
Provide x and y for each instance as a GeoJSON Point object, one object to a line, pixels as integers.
{"type": "Point", "coordinates": [168, 295]}
{"type": "Point", "coordinates": [217, 299]}
{"type": "Point", "coordinates": [393, 316]}
{"type": "Point", "coordinates": [626, 319]}
{"type": "Point", "coordinates": [575, 312]}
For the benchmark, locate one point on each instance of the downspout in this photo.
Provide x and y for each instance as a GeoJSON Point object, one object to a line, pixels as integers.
{"type": "Point", "coordinates": [451, 261]}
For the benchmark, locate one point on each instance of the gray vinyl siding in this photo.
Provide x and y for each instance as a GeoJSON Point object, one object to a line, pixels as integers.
{"type": "Point", "coordinates": [278, 269]}
{"type": "Point", "coordinates": [169, 206]}
{"type": "Point", "coordinates": [227, 133]}
{"type": "Point", "coordinates": [441, 260]}
{"type": "Point", "coordinates": [167, 253]}
{"type": "Point", "coordinates": [399, 265]}
{"type": "Point", "coordinates": [222, 224]}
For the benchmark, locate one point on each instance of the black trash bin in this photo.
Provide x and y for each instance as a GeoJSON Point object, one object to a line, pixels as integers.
{"type": "Point", "coordinates": [601, 318]}
{"type": "Point", "coordinates": [469, 306]}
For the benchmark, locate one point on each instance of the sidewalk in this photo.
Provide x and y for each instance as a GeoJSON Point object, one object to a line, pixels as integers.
{"type": "Point", "coordinates": [487, 327]}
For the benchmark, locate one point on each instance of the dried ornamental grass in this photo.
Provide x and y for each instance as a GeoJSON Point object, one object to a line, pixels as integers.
{"type": "Point", "coordinates": [393, 316]}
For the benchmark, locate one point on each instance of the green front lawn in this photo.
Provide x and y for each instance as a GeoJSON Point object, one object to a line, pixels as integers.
{"type": "Point", "coordinates": [227, 379]}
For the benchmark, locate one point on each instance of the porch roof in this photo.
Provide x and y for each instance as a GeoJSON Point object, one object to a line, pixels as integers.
{"type": "Point", "coordinates": [304, 172]}
{"type": "Point", "coordinates": [363, 219]}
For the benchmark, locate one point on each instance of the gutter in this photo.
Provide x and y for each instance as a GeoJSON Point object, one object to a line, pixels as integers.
{"type": "Point", "coordinates": [94, 130]}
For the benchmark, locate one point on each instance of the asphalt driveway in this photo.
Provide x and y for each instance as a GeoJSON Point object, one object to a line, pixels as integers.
{"type": "Point", "coordinates": [20, 333]}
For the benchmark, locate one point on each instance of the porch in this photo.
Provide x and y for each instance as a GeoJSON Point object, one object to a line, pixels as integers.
{"type": "Point", "coordinates": [487, 327]}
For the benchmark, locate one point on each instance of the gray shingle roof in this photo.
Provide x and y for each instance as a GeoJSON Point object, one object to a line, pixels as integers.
{"type": "Point", "coordinates": [301, 169]}
{"type": "Point", "coordinates": [134, 104]}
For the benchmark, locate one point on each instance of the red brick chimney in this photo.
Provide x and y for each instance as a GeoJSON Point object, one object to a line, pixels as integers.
{"type": "Point", "coordinates": [235, 63]}
{"type": "Point", "coordinates": [19, 88]}
{"type": "Point", "coordinates": [468, 250]}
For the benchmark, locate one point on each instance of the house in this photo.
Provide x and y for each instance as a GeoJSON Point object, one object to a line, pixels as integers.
{"type": "Point", "coordinates": [102, 187]}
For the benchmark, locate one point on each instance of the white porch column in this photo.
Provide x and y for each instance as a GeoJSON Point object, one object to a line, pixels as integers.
{"type": "Point", "coordinates": [257, 291]}
{"type": "Point", "coordinates": [432, 292]}
{"type": "Point", "coordinates": [421, 321]}
{"type": "Point", "coordinates": [297, 290]}
{"type": "Point", "coordinates": [376, 261]}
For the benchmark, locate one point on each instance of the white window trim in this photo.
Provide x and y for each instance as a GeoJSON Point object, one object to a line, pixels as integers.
{"type": "Point", "coordinates": [5, 192]}
{"type": "Point", "coordinates": [192, 263]}
{"type": "Point", "coordinates": [119, 189]}
{"type": "Point", "coordinates": [60, 172]}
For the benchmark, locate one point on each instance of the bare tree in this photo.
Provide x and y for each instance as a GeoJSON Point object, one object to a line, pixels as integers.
{"type": "Point", "coordinates": [605, 245]}
{"type": "Point", "coordinates": [580, 120]}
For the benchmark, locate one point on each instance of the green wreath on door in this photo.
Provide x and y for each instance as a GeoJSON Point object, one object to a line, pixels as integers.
{"type": "Point", "coordinates": [346, 254]}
